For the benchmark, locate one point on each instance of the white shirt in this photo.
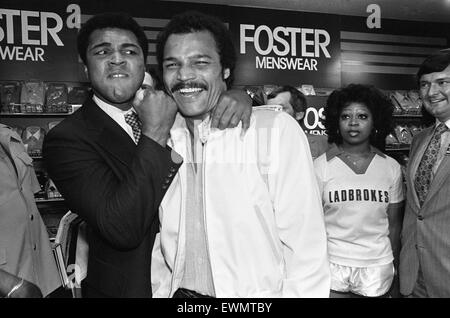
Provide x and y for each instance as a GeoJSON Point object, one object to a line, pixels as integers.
{"type": "Point", "coordinates": [263, 213]}
{"type": "Point", "coordinates": [355, 208]}
{"type": "Point", "coordinates": [117, 115]}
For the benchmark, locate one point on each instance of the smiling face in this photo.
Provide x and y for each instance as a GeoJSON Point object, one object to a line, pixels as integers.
{"type": "Point", "coordinates": [355, 124]}
{"type": "Point", "coordinates": [192, 72]}
{"type": "Point", "coordinates": [435, 93]}
{"type": "Point", "coordinates": [115, 65]}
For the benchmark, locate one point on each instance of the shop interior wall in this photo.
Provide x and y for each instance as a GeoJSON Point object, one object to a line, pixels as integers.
{"type": "Point", "coordinates": [281, 47]}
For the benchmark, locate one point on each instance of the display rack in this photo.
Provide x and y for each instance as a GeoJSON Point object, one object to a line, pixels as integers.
{"type": "Point", "coordinates": [42, 115]}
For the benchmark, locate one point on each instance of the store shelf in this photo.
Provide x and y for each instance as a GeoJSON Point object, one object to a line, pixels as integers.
{"type": "Point", "coordinates": [402, 148]}
{"type": "Point", "coordinates": [407, 116]}
{"type": "Point", "coordinates": [49, 200]}
{"type": "Point", "coordinates": [12, 115]}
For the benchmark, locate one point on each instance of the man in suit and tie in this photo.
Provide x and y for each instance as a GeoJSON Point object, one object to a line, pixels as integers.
{"type": "Point", "coordinates": [425, 258]}
{"type": "Point", "coordinates": [294, 103]}
{"type": "Point", "coordinates": [113, 168]}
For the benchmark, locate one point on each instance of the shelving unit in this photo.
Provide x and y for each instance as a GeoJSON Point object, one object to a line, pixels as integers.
{"type": "Point", "coordinates": [51, 209]}
{"type": "Point", "coordinates": [407, 116]}
{"type": "Point", "coordinates": [404, 147]}
{"type": "Point", "coordinates": [37, 114]}
{"type": "Point", "coordinates": [406, 119]}
{"type": "Point", "coordinates": [49, 200]}
{"type": "Point", "coordinates": [42, 120]}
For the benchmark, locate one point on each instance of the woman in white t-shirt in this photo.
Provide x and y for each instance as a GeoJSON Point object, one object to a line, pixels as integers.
{"type": "Point", "coordinates": [362, 194]}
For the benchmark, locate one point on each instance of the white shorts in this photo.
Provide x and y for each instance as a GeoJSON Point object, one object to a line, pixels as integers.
{"type": "Point", "coordinates": [365, 281]}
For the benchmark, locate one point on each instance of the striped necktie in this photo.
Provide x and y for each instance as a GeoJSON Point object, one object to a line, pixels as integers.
{"type": "Point", "coordinates": [423, 176]}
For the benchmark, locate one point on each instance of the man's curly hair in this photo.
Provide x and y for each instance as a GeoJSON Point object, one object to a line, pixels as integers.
{"type": "Point", "coordinates": [378, 104]}
{"type": "Point", "coordinates": [117, 20]}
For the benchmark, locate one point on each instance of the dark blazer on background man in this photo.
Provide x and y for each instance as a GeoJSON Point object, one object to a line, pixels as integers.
{"type": "Point", "coordinates": [116, 186]}
{"type": "Point", "coordinates": [426, 230]}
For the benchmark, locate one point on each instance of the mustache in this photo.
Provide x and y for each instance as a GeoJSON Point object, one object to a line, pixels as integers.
{"type": "Point", "coordinates": [182, 85]}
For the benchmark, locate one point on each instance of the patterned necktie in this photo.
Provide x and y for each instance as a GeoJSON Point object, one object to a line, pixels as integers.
{"type": "Point", "coordinates": [423, 176]}
{"type": "Point", "coordinates": [132, 119]}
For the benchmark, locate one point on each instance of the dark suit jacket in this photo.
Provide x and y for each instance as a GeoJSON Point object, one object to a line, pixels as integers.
{"type": "Point", "coordinates": [116, 186]}
{"type": "Point", "coordinates": [426, 229]}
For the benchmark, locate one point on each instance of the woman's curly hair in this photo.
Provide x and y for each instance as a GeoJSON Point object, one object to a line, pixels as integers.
{"type": "Point", "coordinates": [378, 104]}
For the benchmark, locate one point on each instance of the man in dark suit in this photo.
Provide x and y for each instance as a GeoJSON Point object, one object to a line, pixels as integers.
{"type": "Point", "coordinates": [425, 258]}
{"type": "Point", "coordinates": [113, 168]}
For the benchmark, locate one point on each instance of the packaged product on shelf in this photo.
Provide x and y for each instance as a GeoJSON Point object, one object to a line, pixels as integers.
{"type": "Point", "coordinates": [403, 134]}
{"type": "Point", "coordinates": [51, 190]}
{"type": "Point", "coordinates": [414, 103]}
{"type": "Point", "coordinates": [52, 124]}
{"type": "Point", "coordinates": [11, 97]}
{"type": "Point", "coordinates": [77, 95]}
{"type": "Point", "coordinates": [307, 90]}
{"type": "Point", "coordinates": [56, 98]}
{"type": "Point", "coordinates": [33, 137]}
{"type": "Point", "coordinates": [392, 141]}
{"type": "Point", "coordinates": [257, 94]}
{"type": "Point", "coordinates": [32, 96]}
{"type": "Point", "coordinates": [400, 101]}
{"type": "Point", "coordinates": [415, 99]}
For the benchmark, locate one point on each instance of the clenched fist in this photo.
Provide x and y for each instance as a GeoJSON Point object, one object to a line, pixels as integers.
{"type": "Point", "coordinates": [157, 111]}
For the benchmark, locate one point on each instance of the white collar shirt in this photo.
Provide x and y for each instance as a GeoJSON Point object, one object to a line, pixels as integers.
{"type": "Point", "coordinates": [117, 115]}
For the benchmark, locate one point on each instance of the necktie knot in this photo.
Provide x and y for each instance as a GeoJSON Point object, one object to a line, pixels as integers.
{"type": "Point", "coordinates": [440, 129]}
{"type": "Point", "coordinates": [132, 119]}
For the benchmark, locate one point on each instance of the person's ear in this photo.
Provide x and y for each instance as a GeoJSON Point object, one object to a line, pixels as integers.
{"type": "Point", "coordinates": [86, 72]}
{"type": "Point", "coordinates": [299, 115]}
{"type": "Point", "coordinates": [226, 73]}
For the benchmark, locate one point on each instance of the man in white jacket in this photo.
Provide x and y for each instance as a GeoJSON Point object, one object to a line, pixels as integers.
{"type": "Point", "coordinates": [243, 215]}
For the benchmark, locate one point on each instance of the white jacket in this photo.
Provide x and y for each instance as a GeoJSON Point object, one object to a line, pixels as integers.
{"type": "Point", "coordinates": [266, 237]}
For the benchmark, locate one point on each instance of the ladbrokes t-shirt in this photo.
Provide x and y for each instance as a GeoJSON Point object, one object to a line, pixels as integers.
{"type": "Point", "coordinates": [355, 208]}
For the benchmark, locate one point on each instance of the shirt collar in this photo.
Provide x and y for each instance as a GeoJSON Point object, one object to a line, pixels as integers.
{"type": "Point", "coordinates": [335, 151]}
{"type": "Point", "coordinates": [110, 109]}
{"type": "Point", "coordinates": [204, 129]}
{"type": "Point", "coordinates": [7, 134]}
{"type": "Point", "coordinates": [447, 123]}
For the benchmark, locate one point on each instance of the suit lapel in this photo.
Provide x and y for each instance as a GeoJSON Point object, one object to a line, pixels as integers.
{"type": "Point", "coordinates": [416, 156]}
{"type": "Point", "coordinates": [108, 134]}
